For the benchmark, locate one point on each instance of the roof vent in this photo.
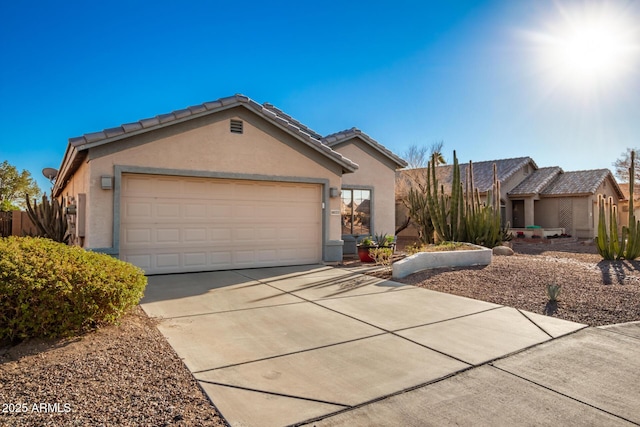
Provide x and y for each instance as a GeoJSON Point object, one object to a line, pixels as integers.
{"type": "Point", "coordinates": [236, 126]}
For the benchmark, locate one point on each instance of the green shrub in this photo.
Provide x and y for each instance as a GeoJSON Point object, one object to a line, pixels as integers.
{"type": "Point", "coordinates": [49, 289]}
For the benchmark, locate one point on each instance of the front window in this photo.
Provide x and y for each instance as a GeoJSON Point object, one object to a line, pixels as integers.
{"type": "Point", "coordinates": [356, 211]}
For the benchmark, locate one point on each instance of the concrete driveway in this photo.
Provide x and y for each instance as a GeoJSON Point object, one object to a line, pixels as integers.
{"type": "Point", "coordinates": [290, 345]}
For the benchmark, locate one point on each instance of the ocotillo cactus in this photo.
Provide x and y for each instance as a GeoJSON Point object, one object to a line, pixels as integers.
{"type": "Point", "coordinates": [49, 218]}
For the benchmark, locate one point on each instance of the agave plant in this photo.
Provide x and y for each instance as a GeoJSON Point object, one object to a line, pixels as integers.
{"type": "Point", "coordinates": [49, 218]}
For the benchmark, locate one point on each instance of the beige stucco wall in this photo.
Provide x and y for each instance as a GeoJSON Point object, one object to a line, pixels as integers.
{"type": "Point", "coordinates": [78, 184]}
{"type": "Point", "coordinates": [584, 217]}
{"type": "Point", "coordinates": [375, 171]}
{"type": "Point", "coordinates": [509, 184]}
{"type": "Point", "coordinates": [546, 213]}
{"type": "Point", "coordinates": [206, 145]}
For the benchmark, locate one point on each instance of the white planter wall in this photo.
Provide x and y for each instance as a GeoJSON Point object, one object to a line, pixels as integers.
{"type": "Point", "coordinates": [428, 260]}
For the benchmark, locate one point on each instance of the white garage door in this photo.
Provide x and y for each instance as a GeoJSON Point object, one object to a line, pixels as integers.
{"type": "Point", "coordinates": [175, 224]}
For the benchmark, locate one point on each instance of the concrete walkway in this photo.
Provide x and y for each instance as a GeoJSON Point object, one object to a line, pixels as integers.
{"type": "Point", "coordinates": [329, 346]}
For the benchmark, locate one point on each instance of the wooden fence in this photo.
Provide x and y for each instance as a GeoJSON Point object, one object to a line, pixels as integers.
{"type": "Point", "coordinates": [16, 223]}
{"type": "Point", "coordinates": [5, 223]}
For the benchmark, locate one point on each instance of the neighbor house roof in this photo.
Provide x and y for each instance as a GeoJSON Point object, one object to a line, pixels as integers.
{"type": "Point", "coordinates": [483, 172]}
{"type": "Point", "coordinates": [580, 183]}
{"type": "Point", "coordinates": [536, 181]}
{"type": "Point", "coordinates": [78, 146]}
{"type": "Point", "coordinates": [625, 190]}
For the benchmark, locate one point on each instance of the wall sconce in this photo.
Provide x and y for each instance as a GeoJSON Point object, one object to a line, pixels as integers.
{"type": "Point", "coordinates": [106, 182]}
{"type": "Point", "coordinates": [334, 192]}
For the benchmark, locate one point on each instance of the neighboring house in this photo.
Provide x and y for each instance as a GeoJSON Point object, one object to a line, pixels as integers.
{"type": "Point", "coordinates": [624, 204]}
{"type": "Point", "coordinates": [546, 197]}
{"type": "Point", "coordinates": [222, 185]}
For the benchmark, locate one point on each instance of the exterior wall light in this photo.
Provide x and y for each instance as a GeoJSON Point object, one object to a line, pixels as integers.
{"type": "Point", "coordinates": [334, 192]}
{"type": "Point", "coordinates": [106, 182]}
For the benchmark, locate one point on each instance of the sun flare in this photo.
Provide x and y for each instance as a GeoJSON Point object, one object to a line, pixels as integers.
{"type": "Point", "coordinates": [588, 46]}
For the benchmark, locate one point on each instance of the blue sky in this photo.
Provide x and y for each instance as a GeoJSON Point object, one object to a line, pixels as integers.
{"type": "Point", "coordinates": [476, 75]}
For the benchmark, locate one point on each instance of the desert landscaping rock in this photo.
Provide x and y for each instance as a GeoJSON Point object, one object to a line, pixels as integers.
{"type": "Point", "coordinates": [503, 250]}
{"type": "Point", "coordinates": [594, 291]}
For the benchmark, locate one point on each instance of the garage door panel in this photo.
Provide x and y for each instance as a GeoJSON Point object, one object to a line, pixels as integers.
{"type": "Point", "coordinates": [170, 260]}
{"type": "Point", "coordinates": [193, 235]}
{"type": "Point", "coordinates": [220, 259]}
{"type": "Point", "coordinates": [195, 259]}
{"type": "Point", "coordinates": [167, 236]}
{"type": "Point", "coordinates": [220, 235]}
{"type": "Point", "coordinates": [195, 210]}
{"type": "Point", "coordinates": [220, 211]}
{"type": "Point", "coordinates": [135, 236]}
{"type": "Point", "coordinates": [167, 210]}
{"type": "Point", "coordinates": [138, 184]}
{"type": "Point", "coordinates": [142, 261]}
{"type": "Point", "coordinates": [172, 224]}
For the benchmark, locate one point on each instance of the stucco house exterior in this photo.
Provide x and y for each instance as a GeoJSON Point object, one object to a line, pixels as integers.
{"type": "Point", "coordinates": [225, 184]}
{"type": "Point", "coordinates": [548, 197]}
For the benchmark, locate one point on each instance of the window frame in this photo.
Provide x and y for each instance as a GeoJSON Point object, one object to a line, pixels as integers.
{"type": "Point", "coordinates": [353, 188]}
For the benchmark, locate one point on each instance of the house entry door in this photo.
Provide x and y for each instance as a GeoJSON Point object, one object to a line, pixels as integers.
{"type": "Point", "coordinates": [517, 209]}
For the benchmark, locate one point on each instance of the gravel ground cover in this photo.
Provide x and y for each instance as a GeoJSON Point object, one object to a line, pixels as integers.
{"type": "Point", "coordinates": [594, 291]}
{"type": "Point", "coordinates": [126, 375]}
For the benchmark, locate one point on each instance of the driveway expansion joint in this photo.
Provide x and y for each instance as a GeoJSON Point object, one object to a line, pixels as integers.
{"type": "Point", "coordinates": [187, 316]}
{"type": "Point", "coordinates": [273, 393]}
{"type": "Point", "coordinates": [563, 394]}
{"type": "Point", "coordinates": [531, 320]}
{"type": "Point", "coordinates": [387, 396]}
{"type": "Point", "coordinates": [289, 354]}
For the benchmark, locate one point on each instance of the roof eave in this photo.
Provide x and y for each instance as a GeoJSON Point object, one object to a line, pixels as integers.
{"type": "Point", "coordinates": [70, 163]}
{"type": "Point", "coordinates": [399, 162]}
{"type": "Point", "coordinates": [222, 104]}
{"type": "Point", "coordinates": [583, 194]}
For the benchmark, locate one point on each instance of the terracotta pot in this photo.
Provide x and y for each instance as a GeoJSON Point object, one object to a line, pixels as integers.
{"type": "Point", "coordinates": [363, 253]}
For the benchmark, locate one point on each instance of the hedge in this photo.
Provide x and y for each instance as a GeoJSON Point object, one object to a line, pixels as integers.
{"type": "Point", "coordinates": [50, 290]}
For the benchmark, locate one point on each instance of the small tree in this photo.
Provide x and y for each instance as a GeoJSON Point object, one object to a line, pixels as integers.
{"type": "Point", "coordinates": [414, 177]}
{"type": "Point", "coordinates": [623, 164]}
{"type": "Point", "coordinates": [14, 186]}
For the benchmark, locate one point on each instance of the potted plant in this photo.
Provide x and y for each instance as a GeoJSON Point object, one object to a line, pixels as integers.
{"type": "Point", "coordinates": [363, 249]}
{"type": "Point", "coordinates": [386, 241]}
{"type": "Point", "coordinates": [379, 241]}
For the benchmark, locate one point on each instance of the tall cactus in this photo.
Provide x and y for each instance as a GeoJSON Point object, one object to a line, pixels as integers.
{"type": "Point", "coordinates": [608, 244]}
{"type": "Point", "coordinates": [447, 211]}
{"type": "Point", "coordinates": [419, 212]}
{"type": "Point", "coordinates": [631, 236]}
{"type": "Point", "coordinates": [49, 218]}
{"type": "Point", "coordinates": [483, 224]}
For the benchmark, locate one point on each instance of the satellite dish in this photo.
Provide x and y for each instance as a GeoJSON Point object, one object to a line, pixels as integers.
{"type": "Point", "coordinates": [50, 173]}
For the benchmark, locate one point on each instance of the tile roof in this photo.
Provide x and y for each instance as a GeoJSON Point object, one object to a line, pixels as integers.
{"type": "Point", "coordinates": [78, 145]}
{"type": "Point", "coordinates": [339, 137]}
{"type": "Point", "coordinates": [483, 172]}
{"type": "Point", "coordinates": [536, 181]}
{"type": "Point", "coordinates": [287, 117]}
{"type": "Point", "coordinates": [625, 190]}
{"type": "Point", "coordinates": [579, 182]}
